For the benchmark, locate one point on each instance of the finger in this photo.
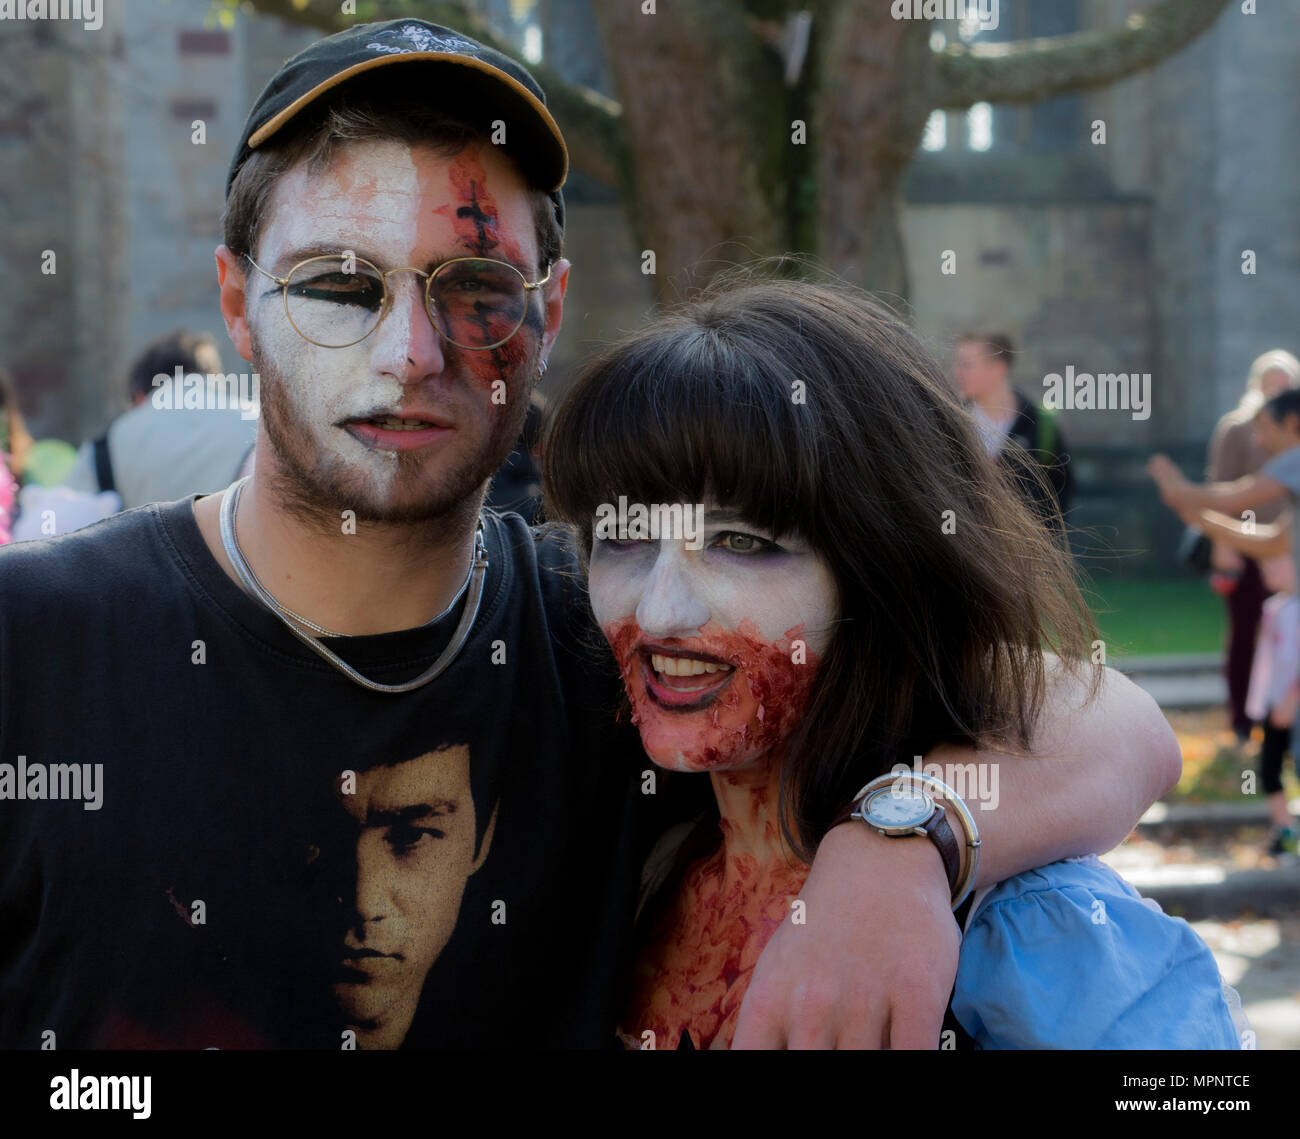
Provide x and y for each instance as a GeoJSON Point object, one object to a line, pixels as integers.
{"type": "Point", "coordinates": [915, 1026]}
{"type": "Point", "coordinates": [870, 1035]}
{"type": "Point", "coordinates": [816, 1024]}
{"type": "Point", "coordinates": [758, 1026]}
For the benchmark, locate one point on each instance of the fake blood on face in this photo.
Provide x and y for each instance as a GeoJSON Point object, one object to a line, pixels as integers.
{"type": "Point", "coordinates": [693, 974]}
{"type": "Point", "coordinates": [738, 716]}
{"type": "Point", "coordinates": [479, 232]}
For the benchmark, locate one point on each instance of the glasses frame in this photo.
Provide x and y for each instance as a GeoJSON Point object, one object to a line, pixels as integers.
{"type": "Point", "coordinates": [283, 282]}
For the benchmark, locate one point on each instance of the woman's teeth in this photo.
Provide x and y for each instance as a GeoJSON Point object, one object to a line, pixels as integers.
{"type": "Point", "coordinates": [390, 424]}
{"type": "Point", "coordinates": [684, 666]}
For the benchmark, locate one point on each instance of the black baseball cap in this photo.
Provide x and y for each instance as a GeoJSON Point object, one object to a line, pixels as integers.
{"type": "Point", "coordinates": [473, 82]}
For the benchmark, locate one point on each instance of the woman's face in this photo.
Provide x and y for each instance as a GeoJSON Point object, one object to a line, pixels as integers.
{"type": "Point", "coordinates": [718, 645]}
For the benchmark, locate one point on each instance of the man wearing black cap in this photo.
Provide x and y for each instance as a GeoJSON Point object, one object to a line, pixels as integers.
{"type": "Point", "coordinates": [238, 662]}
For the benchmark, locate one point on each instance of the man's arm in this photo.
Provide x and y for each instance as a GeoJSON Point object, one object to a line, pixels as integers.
{"type": "Point", "coordinates": [1230, 498]}
{"type": "Point", "coordinates": [873, 962]}
{"type": "Point", "coordinates": [1094, 770]}
{"type": "Point", "coordinates": [1266, 541]}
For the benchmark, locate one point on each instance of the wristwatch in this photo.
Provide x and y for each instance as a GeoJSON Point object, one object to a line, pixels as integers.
{"type": "Point", "coordinates": [899, 807]}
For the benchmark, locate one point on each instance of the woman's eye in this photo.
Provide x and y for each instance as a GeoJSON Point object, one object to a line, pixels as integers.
{"type": "Point", "coordinates": [615, 545]}
{"type": "Point", "coordinates": [738, 543]}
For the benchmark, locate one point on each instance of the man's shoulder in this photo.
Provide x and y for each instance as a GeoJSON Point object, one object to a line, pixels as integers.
{"type": "Point", "coordinates": [1285, 468]}
{"type": "Point", "coordinates": [546, 556]}
{"type": "Point", "coordinates": [99, 559]}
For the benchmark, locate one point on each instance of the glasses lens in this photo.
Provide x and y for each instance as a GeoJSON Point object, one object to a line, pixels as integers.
{"type": "Point", "coordinates": [335, 301]}
{"type": "Point", "coordinates": [478, 303]}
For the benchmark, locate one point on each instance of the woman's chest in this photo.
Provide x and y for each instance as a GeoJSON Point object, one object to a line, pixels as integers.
{"type": "Point", "coordinates": [693, 974]}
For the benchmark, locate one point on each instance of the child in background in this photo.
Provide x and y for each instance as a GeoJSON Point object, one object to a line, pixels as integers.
{"type": "Point", "coordinates": [1274, 693]}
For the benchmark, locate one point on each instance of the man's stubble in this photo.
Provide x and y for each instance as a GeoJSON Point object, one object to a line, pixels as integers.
{"type": "Point", "coordinates": [315, 486]}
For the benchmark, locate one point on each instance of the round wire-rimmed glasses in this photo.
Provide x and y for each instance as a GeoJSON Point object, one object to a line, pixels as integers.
{"type": "Point", "coordinates": [337, 300]}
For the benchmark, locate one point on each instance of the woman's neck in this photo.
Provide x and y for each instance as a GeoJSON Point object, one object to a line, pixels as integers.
{"type": "Point", "coordinates": [748, 802]}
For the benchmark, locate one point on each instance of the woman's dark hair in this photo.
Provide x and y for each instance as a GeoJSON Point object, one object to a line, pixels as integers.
{"type": "Point", "coordinates": [809, 409]}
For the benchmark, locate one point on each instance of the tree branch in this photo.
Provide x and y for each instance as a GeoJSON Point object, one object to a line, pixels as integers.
{"type": "Point", "coordinates": [1026, 71]}
{"type": "Point", "coordinates": [592, 124]}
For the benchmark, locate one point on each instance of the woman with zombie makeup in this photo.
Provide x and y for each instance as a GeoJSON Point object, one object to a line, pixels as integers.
{"type": "Point", "coordinates": [861, 588]}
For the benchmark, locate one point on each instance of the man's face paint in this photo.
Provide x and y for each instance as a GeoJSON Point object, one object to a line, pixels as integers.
{"type": "Point", "coordinates": [323, 408]}
{"type": "Point", "coordinates": [719, 646]}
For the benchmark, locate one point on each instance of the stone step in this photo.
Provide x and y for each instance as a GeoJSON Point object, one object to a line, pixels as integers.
{"type": "Point", "coordinates": [1208, 890]}
{"type": "Point", "coordinates": [1165, 820]}
{"type": "Point", "coordinates": [1178, 680]}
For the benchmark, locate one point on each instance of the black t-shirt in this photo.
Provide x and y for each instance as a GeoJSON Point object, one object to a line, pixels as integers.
{"type": "Point", "coordinates": [231, 888]}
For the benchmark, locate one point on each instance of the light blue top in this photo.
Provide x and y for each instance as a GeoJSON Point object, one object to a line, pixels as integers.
{"type": "Point", "coordinates": [1071, 956]}
{"type": "Point", "coordinates": [1285, 467]}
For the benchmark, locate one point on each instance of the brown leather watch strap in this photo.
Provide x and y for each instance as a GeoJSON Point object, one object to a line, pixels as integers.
{"type": "Point", "coordinates": [937, 830]}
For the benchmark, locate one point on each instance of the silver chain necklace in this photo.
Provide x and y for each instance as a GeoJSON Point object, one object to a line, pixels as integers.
{"type": "Point", "coordinates": [473, 583]}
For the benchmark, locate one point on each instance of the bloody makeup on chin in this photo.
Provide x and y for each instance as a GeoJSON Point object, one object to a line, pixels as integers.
{"type": "Point", "coordinates": [694, 719]}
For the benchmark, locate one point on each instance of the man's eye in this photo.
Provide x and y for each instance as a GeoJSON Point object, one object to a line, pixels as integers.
{"type": "Point", "coordinates": [739, 543]}
{"type": "Point", "coordinates": [405, 837]}
{"type": "Point", "coordinates": [339, 288]}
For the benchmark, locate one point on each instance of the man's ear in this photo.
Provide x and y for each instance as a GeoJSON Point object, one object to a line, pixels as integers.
{"type": "Point", "coordinates": [553, 295]}
{"type": "Point", "coordinates": [232, 282]}
{"type": "Point", "coordinates": [486, 844]}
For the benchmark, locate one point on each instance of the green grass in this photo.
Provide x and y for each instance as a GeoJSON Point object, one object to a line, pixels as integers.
{"type": "Point", "coordinates": [1181, 615]}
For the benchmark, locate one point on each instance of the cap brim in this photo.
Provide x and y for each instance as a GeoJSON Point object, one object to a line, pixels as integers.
{"type": "Point", "coordinates": [273, 124]}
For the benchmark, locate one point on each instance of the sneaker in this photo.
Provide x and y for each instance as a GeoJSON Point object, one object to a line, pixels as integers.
{"type": "Point", "coordinates": [1284, 840]}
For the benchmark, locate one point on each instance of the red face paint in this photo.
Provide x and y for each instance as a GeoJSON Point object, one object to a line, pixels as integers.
{"type": "Point", "coordinates": [738, 717]}
{"type": "Point", "coordinates": [476, 222]}
{"type": "Point", "coordinates": [474, 213]}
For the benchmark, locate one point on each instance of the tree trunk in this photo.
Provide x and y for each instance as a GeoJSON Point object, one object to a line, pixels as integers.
{"type": "Point", "coordinates": [875, 77]}
{"type": "Point", "coordinates": [685, 82]}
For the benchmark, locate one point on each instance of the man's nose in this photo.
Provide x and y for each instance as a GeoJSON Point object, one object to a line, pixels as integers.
{"type": "Point", "coordinates": [671, 605]}
{"type": "Point", "coordinates": [369, 892]}
{"type": "Point", "coordinates": [408, 345]}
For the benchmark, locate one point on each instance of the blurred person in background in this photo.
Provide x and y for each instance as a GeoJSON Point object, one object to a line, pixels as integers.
{"type": "Point", "coordinates": [1274, 694]}
{"type": "Point", "coordinates": [1235, 453]}
{"type": "Point", "coordinates": [159, 450]}
{"type": "Point", "coordinates": [32, 505]}
{"type": "Point", "coordinates": [517, 485]}
{"type": "Point", "coordinates": [982, 371]}
{"type": "Point", "coordinates": [14, 445]}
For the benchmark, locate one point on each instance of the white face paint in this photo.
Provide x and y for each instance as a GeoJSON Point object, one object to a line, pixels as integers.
{"type": "Point", "coordinates": [396, 207]}
{"type": "Point", "coordinates": [761, 614]}
{"type": "Point", "coordinates": [372, 190]}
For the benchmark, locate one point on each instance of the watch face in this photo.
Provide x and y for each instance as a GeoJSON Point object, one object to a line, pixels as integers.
{"type": "Point", "coordinates": [902, 807]}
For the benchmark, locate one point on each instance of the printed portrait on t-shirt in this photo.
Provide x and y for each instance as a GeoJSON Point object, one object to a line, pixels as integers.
{"type": "Point", "coordinates": [414, 839]}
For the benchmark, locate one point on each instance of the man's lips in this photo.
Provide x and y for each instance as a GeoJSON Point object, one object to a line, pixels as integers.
{"type": "Point", "coordinates": [355, 964]}
{"type": "Point", "coordinates": [682, 680]}
{"type": "Point", "coordinates": [350, 954]}
{"type": "Point", "coordinates": [400, 430]}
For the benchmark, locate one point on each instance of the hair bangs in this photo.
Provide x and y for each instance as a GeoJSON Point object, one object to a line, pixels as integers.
{"type": "Point", "coordinates": [684, 415]}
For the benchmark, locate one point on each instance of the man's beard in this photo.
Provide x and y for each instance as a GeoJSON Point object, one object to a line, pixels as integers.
{"type": "Point", "coordinates": [316, 486]}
